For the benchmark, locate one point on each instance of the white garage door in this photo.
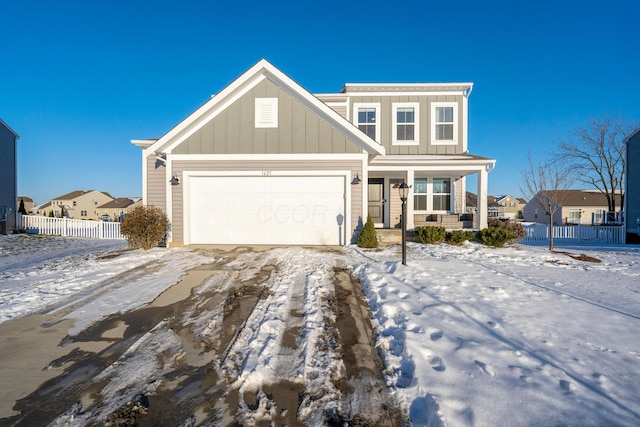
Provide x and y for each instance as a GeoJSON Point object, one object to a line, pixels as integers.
{"type": "Point", "coordinates": [300, 210]}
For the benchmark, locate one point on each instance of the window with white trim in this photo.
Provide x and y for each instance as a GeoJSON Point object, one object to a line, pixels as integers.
{"type": "Point", "coordinates": [420, 194]}
{"type": "Point", "coordinates": [366, 119]}
{"type": "Point", "coordinates": [405, 123]}
{"type": "Point", "coordinates": [441, 194]}
{"type": "Point", "coordinates": [444, 123]}
{"type": "Point", "coordinates": [266, 113]}
{"type": "Point", "coordinates": [83, 213]}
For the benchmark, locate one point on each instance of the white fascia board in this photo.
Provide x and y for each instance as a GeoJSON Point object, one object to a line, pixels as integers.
{"type": "Point", "coordinates": [191, 173]}
{"type": "Point", "coordinates": [447, 168]}
{"type": "Point", "coordinates": [262, 157]}
{"type": "Point", "coordinates": [143, 143]}
{"type": "Point", "coordinates": [408, 93]}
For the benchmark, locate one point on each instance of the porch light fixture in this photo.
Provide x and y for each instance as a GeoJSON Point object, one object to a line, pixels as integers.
{"type": "Point", "coordinates": [174, 180]}
{"type": "Point", "coordinates": [404, 193]}
{"type": "Point", "coordinates": [356, 180]}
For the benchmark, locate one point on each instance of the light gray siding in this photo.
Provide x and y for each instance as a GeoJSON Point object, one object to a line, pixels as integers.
{"type": "Point", "coordinates": [292, 165]}
{"type": "Point", "coordinates": [156, 183]}
{"type": "Point", "coordinates": [8, 195]}
{"type": "Point", "coordinates": [385, 122]}
{"type": "Point", "coordinates": [299, 130]}
{"type": "Point", "coordinates": [632, 191]}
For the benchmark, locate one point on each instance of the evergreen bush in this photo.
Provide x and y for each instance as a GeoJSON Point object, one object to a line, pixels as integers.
{"type": "Point", "coordinates": [144, 227]}
{"type": "Point", "coordinates": [368, 237]}
{"type": "Point", "coordinates": [458, 237]}
{"type": "Point", "coordinates": [495, 236]}
{"type": "Point", "coordinates": [514, 226]}
{"type": "Point", "coordinates": [431, 234]}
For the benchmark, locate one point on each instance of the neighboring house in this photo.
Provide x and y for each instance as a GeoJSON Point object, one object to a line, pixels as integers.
{"type": "Point", "coordinates": [632, 188]}
{"type": "Point", "coordinates": [511, 206]}
{"type": "Point", "coordinates": [8, 178]}
{"type": "Point", "coordinates": [521, 204]}
{"type": "Point", "coordinates": [28, 203]}
{"type": "Point", "coordinates": [494, 210]}
{"type": "Point", "coordinates": [266, 162]}
{"type": "Point", "coordinates": [117, 207]}
{"type": "Point", "coordinates": [80, 204]}
{"type": "Point", "coordinates": [578, 207]}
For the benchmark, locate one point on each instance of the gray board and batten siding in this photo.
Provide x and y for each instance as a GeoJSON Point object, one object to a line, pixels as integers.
{"type": "Point", "coordinates": [424, 101]}
{"type": "Point", "coordinates": [299, 131]}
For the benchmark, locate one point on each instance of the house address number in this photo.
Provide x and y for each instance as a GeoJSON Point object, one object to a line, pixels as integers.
{"type": "Point", "coordinates": [266, 173]}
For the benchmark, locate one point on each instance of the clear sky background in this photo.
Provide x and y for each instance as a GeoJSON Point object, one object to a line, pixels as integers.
{"type": "Point", "coordinates": [80, 79]}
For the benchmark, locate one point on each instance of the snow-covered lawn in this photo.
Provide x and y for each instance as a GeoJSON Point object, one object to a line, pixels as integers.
{"type": "Point", "coordinates": [470, 335]}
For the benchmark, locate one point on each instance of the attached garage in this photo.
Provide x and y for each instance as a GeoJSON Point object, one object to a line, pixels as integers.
{"type": "Point", "coordinates": [283, 209]}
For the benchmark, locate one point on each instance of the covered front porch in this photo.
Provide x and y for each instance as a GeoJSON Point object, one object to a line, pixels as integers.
{"type": "Point", "coordinates": [437, 193]}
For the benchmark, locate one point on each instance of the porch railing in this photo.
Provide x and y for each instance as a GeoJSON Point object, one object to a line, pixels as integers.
{"type": "Point", "coordinates": [71, 227]}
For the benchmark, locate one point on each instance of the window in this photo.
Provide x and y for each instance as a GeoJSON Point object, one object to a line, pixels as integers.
{"type": "Point", "coordinates": [420, 194]}
{"type": "Point", "coordinates": [441, 194]}
{"type": "Point", "coordinates": [574, 216]}
{"type": "Point", "coordinates": [366, 118]}
{"type": "Point", "coordinates": [83, 213]}
{"type": "Point", "coordinates": [266, 113]}
{"type": "Point", "coordinates": [444, 124]}
{"type": "Point", "coordinates": [405, 124]}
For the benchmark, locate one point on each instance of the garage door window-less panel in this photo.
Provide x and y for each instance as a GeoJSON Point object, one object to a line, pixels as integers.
{"type": "Point", "coordinates": [267, 210]}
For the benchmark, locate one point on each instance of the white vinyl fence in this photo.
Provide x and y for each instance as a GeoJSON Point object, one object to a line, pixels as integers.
{"type": "Point", "coordinates": [71, 227]}
{"type": "Point", "coordinates": [575, 233]}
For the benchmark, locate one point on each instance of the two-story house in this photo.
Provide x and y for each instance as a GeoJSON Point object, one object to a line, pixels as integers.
{"type": "Point", "coordinates": [79, 204]}
{"type": "Point", "coordinates": [8, 178]}
{"type": "Point", "coordinates": [266, 162]}
{"type": "Point", "coordinates": [511, 206]}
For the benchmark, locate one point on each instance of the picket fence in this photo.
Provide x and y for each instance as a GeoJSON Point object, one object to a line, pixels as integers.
{"type": "Point", "coordinates": [575, 233]}
{"type": "Point", "coordinates": [34, 224]}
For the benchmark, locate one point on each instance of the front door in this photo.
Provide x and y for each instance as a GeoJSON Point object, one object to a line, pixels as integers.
{"type": "Point", "coordinates": [376, 200]}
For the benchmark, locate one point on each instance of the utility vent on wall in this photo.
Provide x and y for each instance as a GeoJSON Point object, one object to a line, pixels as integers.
{"type": "Point", "coordinates": [266, 112]}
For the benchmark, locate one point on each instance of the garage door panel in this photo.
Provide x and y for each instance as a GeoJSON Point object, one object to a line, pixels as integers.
{"type": "Point", "coordinates": [266, 210]}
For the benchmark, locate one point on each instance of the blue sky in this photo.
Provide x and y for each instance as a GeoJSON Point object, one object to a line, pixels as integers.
{"type": "Point", "coordinates": [80, 79]}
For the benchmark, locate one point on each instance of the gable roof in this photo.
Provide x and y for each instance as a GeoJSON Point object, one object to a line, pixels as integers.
{"type": "Point", "coordinates": [249, 79]}
{"type": "Point", "coordinates": [582, 197]}
{"type": "Point", "coordinates": [120, 202]}
{"type": "Point", "coordinates": [78, 193]}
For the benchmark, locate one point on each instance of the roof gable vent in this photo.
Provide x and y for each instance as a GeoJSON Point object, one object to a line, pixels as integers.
{"type": "Point", "coordinates": [266, 112]}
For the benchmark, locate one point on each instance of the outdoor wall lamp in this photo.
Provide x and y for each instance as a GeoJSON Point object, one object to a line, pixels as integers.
{"type": "Point", "coordinates": [174, 180]}
{"type": "Point", "coordinates": [404, 193]}
{"type": "Point", "coordinates": [356, 180]}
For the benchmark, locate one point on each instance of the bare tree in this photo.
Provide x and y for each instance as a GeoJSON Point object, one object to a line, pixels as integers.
{"type": "Point", "coordinates": [594, 154]}
{"type": "Point", "coordinates": [546, 184]}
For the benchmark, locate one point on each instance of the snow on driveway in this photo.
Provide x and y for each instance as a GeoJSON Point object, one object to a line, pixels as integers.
{"type": "Point", "coordinates": [470, 335]}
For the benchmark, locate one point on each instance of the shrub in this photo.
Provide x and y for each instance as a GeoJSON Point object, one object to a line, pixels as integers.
{"type": "Point", "coordinates": [514, 226]}
{"type": "Point", "coordinates": [368, 237]}
{"type": "Point", "coordinates": [495, 236]}
{"type": "Point", "coordinates": [458, 237]}
{"type": "Point", "coordinates": [431, 234]}
{"type": "Point", "coordinates": [144, 227]}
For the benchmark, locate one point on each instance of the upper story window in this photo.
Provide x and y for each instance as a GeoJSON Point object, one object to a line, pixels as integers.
{"type": "Point", "coordinates": [366, 118]}
{"type": "Point", "coordinates": [444, 123]}
{"type": "Point", "coordinates": [405, 123]}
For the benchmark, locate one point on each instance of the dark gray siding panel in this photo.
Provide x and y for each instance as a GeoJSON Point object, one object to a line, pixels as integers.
{"type": "Point", "coordinates": [8, 196]}
{"type": "Point", "coordinates": [177, 226]}
{"type": "Point", "coordinates": [632, 192]}
{"type": "Point", "coordinates": [299, 129]}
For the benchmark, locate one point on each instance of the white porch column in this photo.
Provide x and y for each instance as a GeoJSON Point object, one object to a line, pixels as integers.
{"type": "Point", "coordinates": [483, 208]}
{"type": "Point", "coordinates": [409, 181]}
